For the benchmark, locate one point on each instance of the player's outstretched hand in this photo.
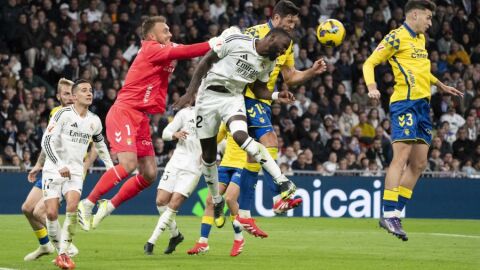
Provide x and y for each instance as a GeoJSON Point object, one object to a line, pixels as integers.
{"type": "Point", "coordinates": [319, 66]}
{"type": "Point", "coordinates": [374, 94]}
{"type": "Point", "coordinates": [64, 172]}
{"type": "Point", "coordinates": [180, 135]}
{"type": "Point", "coordinates": [286, 97]}
{"type": "Point", "coordinates": [184, 101]}
{"type": "Point", "coordinates": [32, 175]}
{"type": "Point", "coordinates": [452, 90]}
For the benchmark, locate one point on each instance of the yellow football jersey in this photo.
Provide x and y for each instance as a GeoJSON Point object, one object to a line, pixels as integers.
{"type": "Point", "coordinates": [405, 51]}
{"type": "Point", "coordinates": [234, 156]}
{"type": "Point", "coordinates": [286, 59]}
{"type": "Point", "coordinates": [53, 111]}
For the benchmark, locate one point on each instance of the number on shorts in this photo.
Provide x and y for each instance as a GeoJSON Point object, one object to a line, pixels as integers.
{"type": "Point", "coordinates": [47, 184]}
{"type": "Point", "coordinates": [199, 120]}
{"type": "Point", "coordinates": [164, 176]}
{"type": "Point", "coordinates": [128, 129]}
{"type": "Point", "coordinates": [405, 119]}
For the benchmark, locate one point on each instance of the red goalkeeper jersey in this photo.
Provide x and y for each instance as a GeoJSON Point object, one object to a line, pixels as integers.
{"type": "Point", "coordinates": [146, 83]}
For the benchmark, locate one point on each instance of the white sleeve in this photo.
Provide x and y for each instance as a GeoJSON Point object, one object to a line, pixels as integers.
{"type": "Point", "coordinates": [174, 126]}
{"type": "Point", "coordinates": [101, 147]}
{"type": "Point", "coordinates": [52, 134]}
{"type": "Point", "coordinates": [228, 45]}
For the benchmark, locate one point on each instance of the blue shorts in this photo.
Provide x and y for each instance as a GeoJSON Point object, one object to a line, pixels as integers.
{"type": "Point", "coordinates": [259, 118]}
{"type": "Point", "coordinates": [38, 182]}
{"type": "Point", "coordinates": [411, 121]}
{"type": "Point", "coordinates": [229, 174]}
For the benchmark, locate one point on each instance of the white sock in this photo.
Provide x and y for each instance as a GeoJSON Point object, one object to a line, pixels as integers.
{"type": "Point", "coordinates": [244, 213]}
{"type": "Point", "coordinates": [173, 225]}
{"type": "Point", "coordinates": [262, 156]}
{"type": "Point", "coordinates": [53, 229]}
{"type": "Point", "coordinates": [237, 230]}
{"type": "Point", "coordinates": [397, 213]}
{"type": "Point", "coordinates": [203, 240]}
{"type": "Point", "coordinates": [110, 207]}
{"type": "Point", "coordinates": [388, 214]}
{"type": "Point", "coordinates": [163, 222]}
{"type": "Point", "coordinates": [210, 172]}
{"type": "Point", "coordinates": [88, 203]}
{"type": "Point", "coordinates": [68, 231]}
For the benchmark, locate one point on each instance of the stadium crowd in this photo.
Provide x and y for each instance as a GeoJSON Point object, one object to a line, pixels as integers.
{"type": "Point", "coordinates": [332, 125]}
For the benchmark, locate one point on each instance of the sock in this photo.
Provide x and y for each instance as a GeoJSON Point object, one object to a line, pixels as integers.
{"type": "Point", "coordinates": [404, 195]}
{"type": "Point", "coordinates": [42, 236]}
{"type": "Point", "coordinates": [173, 225]}
{"type": "Point", "coordinates": [244, 213]}
{"type": "Point", "coordinates": [130, 189]}
{"type": "Point", "coordinates": [272, 185]}
{"type": "Point", "coordinates": [163, 222]}
{"type": "Point", "coordinates": [262, 156]}
{"type": "Point", "coordinates": [109, 179]}
{"type": "Point", "coordinates": [205, 228]}
{"type": "Point", "coordinates": [210, 172]}
{"type": "Point", "coordinates": [53, 229]}
{"type": "Point", "coordinates": [237, 230]}
{"type": "Point", "coordinates": [390, 199]}
{"type": "Point", "coordinates": [68, 231]}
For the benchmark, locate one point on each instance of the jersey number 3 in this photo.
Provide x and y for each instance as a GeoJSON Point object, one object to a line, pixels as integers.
{"type": "Point", "coordinates": [405, 119]}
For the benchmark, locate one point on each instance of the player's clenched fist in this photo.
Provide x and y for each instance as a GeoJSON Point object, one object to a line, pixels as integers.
{"type": "Point", "coordinates": [374, 94]}
{"type": "Point", "coordinates": [64, 172]}
{"type": "Point", "coordinates": [286, 97]}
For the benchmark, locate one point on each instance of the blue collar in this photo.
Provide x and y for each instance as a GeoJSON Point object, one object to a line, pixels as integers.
{"type": "Point", "coordinates": [410, 30]}
{"type": "Point", "coordinates": [270, 25]}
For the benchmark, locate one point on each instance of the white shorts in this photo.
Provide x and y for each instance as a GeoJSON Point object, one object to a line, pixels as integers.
{"type": "Point", "coordinates": [179, 181]}
{"type": "Point", "coordinates": [55, 186]}
{"type": "Point", "coordinates": [213, 107]}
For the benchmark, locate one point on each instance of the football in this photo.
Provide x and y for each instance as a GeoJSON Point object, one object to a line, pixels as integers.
{"type": "Point", "coordinates": [331, 33]}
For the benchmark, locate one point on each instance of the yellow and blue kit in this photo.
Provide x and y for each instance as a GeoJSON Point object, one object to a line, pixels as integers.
{"type": "Point", "coordinates": [258, 110]}
{"type": "Point", "coordinates": [233, 159]}
{"type": "Point", "coordinates": [38, 183]}
{"type": "Point", "coordinates": [410, 102]}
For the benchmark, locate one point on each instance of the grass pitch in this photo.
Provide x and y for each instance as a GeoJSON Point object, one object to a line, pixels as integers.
{"type": "Point", "coordinates": [294, 243]}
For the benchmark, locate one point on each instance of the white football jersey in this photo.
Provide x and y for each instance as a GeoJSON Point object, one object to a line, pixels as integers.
{"type": "Point", "coordinates": [239, 65]}
{"type": "Point", "coordinates": [187, 153]}
{"type": "Point", "coordinates": [66, 141]}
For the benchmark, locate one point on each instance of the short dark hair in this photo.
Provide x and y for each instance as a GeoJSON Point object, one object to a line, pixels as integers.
{"type": "Point", "coordinates": [277, 31]}
{"type": "Point", "coordinates": [78, 82]}
{"type": "Point", "coordinates": [285, 8]}
{"type": "Point", "coordinates": [150, 22]}
{"type": "Point", "coordinates": [420, 4]}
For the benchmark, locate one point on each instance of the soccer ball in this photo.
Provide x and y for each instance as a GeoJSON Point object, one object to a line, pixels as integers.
{"type": "Point", "coordinates": [331, 33]}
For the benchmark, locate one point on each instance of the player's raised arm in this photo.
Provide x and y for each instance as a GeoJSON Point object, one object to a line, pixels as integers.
{"type": "Point", "coordinates": [381, 54]}
{"type": "Point", "coordinates": [292, 76]}
{"type": "Point", "coordinates": [173, 130]}
{"type": "Point", "coordinates": [52, 133]}
{"type": "Point", "coordinates": [203, 67]}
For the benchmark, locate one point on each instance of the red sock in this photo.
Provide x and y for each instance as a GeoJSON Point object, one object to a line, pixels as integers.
{"type": "Point", "coordinates": [130, 189]}
{"type": "Point", "coordinates": [108, 180]}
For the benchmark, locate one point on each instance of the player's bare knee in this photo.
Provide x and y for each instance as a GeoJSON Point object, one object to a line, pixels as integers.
{"type": "Point", "coordinates": [39, 212]}
{"type": "Point", "coordinates": [209, 157]}
{"type": "Point", "coordinates": [419, 165]}
{"type": "Point", "coordinates": [176, 201]}
{"type": "Point", "coordinates": [27, 209]}
{"type": "Point", "coordinates": [161, 201]}
{"type": "Point", "coordinates": [149, 175]}
{"type": "Point", "coordinates": [52, 214]}
{"type": "Point", "coordinates": [240, 137]}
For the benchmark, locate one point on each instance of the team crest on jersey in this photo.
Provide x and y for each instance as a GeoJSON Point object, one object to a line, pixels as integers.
{"type": "Point", "coordinates": [407, 132]}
